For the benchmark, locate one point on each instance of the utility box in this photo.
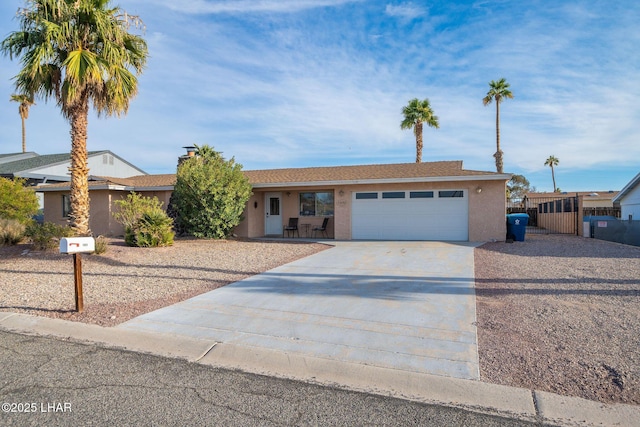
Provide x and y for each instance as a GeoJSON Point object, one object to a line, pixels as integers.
{"type": "Point", "coordinates": [76, 245]}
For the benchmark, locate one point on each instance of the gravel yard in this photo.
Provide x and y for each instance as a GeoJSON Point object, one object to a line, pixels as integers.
{"type": "Point", "coordinates": [560, 314]}
{"type": "Point", "coordinates": [554, 313]}
{"type": "Point", "coordinates": [126, 282]}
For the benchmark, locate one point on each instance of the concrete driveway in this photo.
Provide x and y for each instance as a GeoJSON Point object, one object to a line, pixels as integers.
{"type": "Point", "coordinates": [399, 305]}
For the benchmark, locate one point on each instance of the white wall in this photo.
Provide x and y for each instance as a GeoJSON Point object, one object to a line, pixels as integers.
{"type": "Point", "coordinates": [100, 165]}
{"type": "Point", "coordinates": [630, 204]}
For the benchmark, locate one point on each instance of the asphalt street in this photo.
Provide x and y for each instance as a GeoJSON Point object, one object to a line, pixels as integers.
{"type": "Point", "coordinates": [57, 382]}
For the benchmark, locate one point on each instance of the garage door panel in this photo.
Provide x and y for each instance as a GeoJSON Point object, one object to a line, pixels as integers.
{"type": "Point", "coordinates": [426, 218]}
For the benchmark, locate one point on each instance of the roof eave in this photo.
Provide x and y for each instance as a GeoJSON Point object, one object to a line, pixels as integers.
{"type": "Point", "coordinates": [627, 188]}
{"type": "Point", "coordinates": [494, 177]}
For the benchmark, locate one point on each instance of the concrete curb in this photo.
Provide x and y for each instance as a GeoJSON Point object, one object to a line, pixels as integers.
{"type": "Point", "coordinates": [511, 402]}
{"type": "Point", "coordinates": [157, 344]}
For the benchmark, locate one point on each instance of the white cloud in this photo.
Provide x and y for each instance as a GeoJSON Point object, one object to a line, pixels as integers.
{"type": "Point", "coordinates": [406, 11]}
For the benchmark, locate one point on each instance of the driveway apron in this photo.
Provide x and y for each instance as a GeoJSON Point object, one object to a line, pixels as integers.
{"type": "Point", "coordinates": [399, 305]}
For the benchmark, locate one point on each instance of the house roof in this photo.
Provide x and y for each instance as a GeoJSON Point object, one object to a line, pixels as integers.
{"type": "Point", "coordinates": [30, 161]}
{"type": "Point", "coordinates": [33, 162]}
{"type": "Point", "coordinates": [627, 188]}
{"type": "Point", "coordinates": [10, 157]}
{"type": "Point", "coordinates": [383, 173]}
{"type": "Point", "coordinates": [601, 195]}
{"type": "Point", "coordinates": [146, 182]}
{"type": "Point", "coordinates": [332, 175]}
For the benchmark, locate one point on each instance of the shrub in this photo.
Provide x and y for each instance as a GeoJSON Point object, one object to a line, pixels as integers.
{"type": "Point", "coordinates": [47, 236]}
{"type": "Point", "coordinates": [154, 229]}
{"type": "Point", "coordinates": [145, 223]}
{"type": "Point", "coordinates": [210, 194]}
{"type": "Point", "coordinates": [131, 209]}
{"type": "Point", "coordinates": [101, 245]}
{"type": "Point", "coordinates": [11, 231]}
{"type": "Point", "coordinates": [17, 201]}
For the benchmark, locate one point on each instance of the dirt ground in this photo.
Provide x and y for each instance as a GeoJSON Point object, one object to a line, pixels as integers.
{"type": "Point", "coordinates": [560, 314]}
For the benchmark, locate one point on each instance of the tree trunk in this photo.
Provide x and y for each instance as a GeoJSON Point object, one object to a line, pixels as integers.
{"type": "Point", "coordinates": [498, 155]}
{"type": "Point", "coordinates": [418, 130]}
{"type": "Point", "coordinates": [79, 196]}
{"type": "Point", "coordinates": [553, 177]}
{"type": "Point", "coordinates": [24, 135]}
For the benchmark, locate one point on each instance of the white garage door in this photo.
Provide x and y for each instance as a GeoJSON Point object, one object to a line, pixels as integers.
{"type": "Point", "coordinates": [410, 215]}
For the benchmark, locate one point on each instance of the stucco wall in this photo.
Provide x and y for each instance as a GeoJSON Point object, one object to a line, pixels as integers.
{"type": "Point", "coordinates": [101, 208]}
{"type": "Point", "coordinates": [53, 207]}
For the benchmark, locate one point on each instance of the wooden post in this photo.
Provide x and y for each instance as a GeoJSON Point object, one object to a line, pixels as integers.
{"type": "Point", "coordinates": [77, 276]}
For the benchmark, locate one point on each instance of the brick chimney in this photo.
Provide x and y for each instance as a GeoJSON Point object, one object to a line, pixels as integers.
{"type": "Point", "coordinates": [191, 151]}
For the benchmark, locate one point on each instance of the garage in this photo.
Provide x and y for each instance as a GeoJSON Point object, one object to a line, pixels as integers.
{"type": "Point", "coordinates": [410, 215]}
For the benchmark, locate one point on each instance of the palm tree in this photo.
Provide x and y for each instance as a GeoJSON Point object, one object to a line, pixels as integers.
{"type": "Point", "coordinates": [498, 91]}
{"type": "Point", "coordinates": [416, 113]}
{"type": "Point", "coordinates": [25, 101]}
{"type": "Point", "coordinates": [552, 161]}
{"type": "Point", "coordinates": [79, 52]}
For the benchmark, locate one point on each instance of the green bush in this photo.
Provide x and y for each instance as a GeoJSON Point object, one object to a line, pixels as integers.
{"type": "Point", "coordinates": [210, 194]}
{"type": "Point", "coordinates": [17, 201]}
{"type": "Point", "coordinates": [12, 231]}
{"type": "Point", "coordinates": [145, 223]}
{"type": "Point", "coordinates": [131, 209]}
{"type": "Point", "coordinates": [47, 236]}
{"type": "Point", "coordinates": [154, 229]}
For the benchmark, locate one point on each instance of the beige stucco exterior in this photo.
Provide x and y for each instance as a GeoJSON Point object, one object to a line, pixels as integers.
{"type": "Point", "coordinates": [101, 209]}
{"type": "Point", "coordinates": [486, 208]}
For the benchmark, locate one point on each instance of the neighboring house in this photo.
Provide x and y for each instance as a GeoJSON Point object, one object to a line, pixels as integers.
{"type": "Point", "coordinates": [54, 168]}
{"type": "Point", "coordinates": [409, 201]}
{"type": "Point", "coordinates": [629, 199]}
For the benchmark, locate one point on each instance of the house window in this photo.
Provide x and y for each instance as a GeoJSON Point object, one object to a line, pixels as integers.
{"type": "Point", "coordinates": [559, 206]}
{"type": "Point", "coordinates": [66, 205]}
{"type": "Point", "coordinates": [421, 194]}
{"type": "Point", "coordinates": [393, 195]}
{"type": "Point", "coordinates": [316, 204]}
{"type": "Point", "coordinates": [361, 196]}
{"type": "Point", "coordinates": [455, 193]}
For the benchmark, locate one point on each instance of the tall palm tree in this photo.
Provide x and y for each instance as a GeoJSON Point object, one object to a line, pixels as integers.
{"type": "Point", "coordinates": [416, 113]}
{"type": "Point", "coordinates": [552, 161]}
{"type": "Point", "coordinates": [25, 102]}
{"type": "Point", "coordinates": [79, 52]}
{"type": "Point", "coordinates": [498, 90]}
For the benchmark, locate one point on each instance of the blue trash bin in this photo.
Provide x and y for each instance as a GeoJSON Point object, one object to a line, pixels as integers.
{"type": "Point", "coordinates": [517, 226]}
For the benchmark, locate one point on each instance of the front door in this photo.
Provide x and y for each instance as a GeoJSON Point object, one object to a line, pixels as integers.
{"type": "Point", "coordinates": [273, 220]}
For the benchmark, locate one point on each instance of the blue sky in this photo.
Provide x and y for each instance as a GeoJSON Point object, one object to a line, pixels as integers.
{"type": "Point", "coordinates": [296, 83]}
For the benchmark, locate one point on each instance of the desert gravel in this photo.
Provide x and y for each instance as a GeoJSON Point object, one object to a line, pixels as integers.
{"type": "Point", "coordinates": [560, 314]}
{"type": "Point", "coordinates": [554, 313]}
{"type": "Point", "coordinates": [126, 282]}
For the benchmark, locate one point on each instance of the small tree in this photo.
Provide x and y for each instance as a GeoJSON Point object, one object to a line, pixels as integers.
{"type": "Point", "coordinates": [518, 186]}
{"type": "Point", "coordinates": [210, 194]}
{"type": "Point", "coordinates": [17, 201]}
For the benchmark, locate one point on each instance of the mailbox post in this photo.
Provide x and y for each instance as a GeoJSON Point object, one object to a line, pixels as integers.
{"type": "Point", "coordinates": [77, 246]}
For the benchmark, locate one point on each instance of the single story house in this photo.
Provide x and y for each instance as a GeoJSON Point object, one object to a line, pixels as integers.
{"type": "Point", "coordinates": [629, 199]}
{"type": "Point", "coordinates": [408, 201]}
